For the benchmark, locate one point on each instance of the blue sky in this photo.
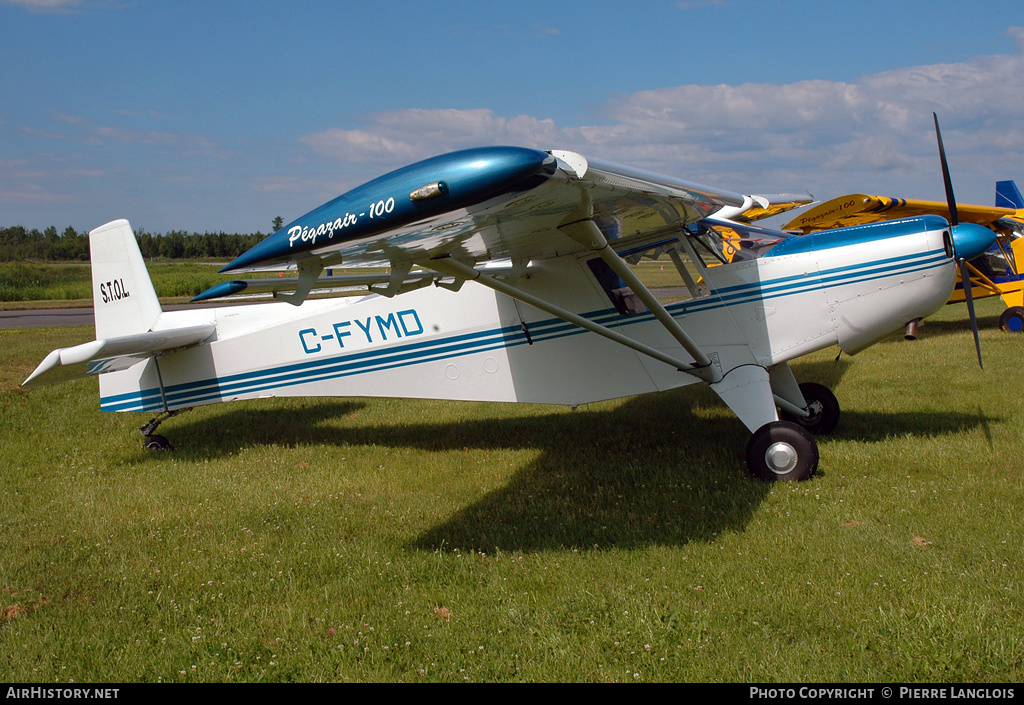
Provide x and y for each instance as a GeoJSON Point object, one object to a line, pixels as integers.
{"type": "Point", "coordinates": [222, 115]}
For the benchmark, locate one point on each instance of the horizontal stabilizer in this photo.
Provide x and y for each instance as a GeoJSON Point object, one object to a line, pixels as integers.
{"type": "Point", "coordinates": [112, 354]}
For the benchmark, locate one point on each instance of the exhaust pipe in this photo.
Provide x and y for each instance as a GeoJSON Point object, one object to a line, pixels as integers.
{"type": "Point", "coordinates": [911, 332]}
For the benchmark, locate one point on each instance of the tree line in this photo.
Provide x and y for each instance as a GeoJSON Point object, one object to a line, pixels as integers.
{"type": "Point", "coordinates": [19, 244]}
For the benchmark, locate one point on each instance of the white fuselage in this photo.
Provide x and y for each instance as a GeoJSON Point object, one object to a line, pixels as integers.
{"type": "Point", "coordinates": [477, 344]}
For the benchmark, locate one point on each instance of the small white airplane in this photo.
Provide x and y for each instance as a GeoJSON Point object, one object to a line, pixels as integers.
{"type": "Point", "coordinates": [509, 280]}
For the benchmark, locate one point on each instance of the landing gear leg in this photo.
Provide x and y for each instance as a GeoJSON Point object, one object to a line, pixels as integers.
{"type": "Point", "coordinates": [152, 440]}
{"type": "Point", "coordinates": [823, 407]}
{"type": "Point", "coordinates": [778, 450]}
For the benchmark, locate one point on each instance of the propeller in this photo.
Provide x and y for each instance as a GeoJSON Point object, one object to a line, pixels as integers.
{"type": "Point", "coordinates": [954, 221]}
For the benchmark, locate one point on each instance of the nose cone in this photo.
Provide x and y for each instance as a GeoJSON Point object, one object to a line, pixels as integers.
{"type": "Point", "coordinates": [970, 240]}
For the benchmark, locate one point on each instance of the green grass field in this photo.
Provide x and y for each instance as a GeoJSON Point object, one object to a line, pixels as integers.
{"type": "Point", "coordinates": [28, 285]}
{"type": "Point", "coordinates": [400, 540]}
{"type": "Point", "coordinates": [36, 281]}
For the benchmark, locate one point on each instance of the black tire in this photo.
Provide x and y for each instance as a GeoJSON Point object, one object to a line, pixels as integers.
{"type": "Point", "coordinates": [1012, 320]}
{"type": "Point", "coordinates": [781, 451]}
{"type": "Point", "coordinates": [824, 406]}
{"type": "Point", "coordinates": [155, 442]}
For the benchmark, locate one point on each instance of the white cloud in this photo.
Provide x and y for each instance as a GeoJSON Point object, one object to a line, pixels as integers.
{"type": "Point", "coordinates": [871, 135]}
{"type": "Point", "coordinates": [1017, 34]}
{"type": "Point", "coordinates": [824, 136]}
{"type": "Point", "coordinates": [183, 143]}
{"type": "Point", "coordinates": [401, 136]}
{"type": "Point", "coordinates": [695, 4]}
{"type": "Point", "coordinates": [55, 5]}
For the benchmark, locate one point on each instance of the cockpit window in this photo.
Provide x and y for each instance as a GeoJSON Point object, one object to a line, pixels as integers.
{"type": "Point", "coordinates": [675, 267]}
{"type": "Point", "coordinates": [740, 242]}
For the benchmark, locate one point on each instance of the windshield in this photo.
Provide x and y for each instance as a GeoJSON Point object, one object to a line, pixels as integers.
{"type": "Point", "coordinates": [674, 267]}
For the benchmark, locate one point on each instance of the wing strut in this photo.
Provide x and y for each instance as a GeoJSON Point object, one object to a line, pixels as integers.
{"type": "Point", "coordinates": [589, 235]}
{"type": "Point", "coordinates": [455, 268]}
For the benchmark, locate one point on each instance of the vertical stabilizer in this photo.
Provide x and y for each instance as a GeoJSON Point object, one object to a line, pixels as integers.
{"type": "Point", "coordinates": [124, 300]}
{"type": "Point", "coordinates": [1008, 196]}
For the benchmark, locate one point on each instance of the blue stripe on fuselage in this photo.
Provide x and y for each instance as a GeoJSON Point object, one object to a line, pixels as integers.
{"type": "Point", "coordinates": [406, 354]}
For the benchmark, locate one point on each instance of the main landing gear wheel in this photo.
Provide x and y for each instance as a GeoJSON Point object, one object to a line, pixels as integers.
{"type": "Point", "coordinates": [1012, 320]}
{"type": "Point", "coordinates": [782, 451]}
{"type": "Point", "coordinates": [824, 409]}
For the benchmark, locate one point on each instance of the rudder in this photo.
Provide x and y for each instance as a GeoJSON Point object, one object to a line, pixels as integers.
{"type": "Point", "coordinates": [1007, 195]}
{"type": "Point", "coordinates": [124, 300]}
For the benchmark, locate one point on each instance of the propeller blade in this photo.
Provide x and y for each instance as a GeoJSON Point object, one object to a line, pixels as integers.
{"type": "Point", "coordinates": [950, 199]}
{"type": "Point", "coordinates": [954, 220]}
{"type": "Point", "coordinates": [965, 279]}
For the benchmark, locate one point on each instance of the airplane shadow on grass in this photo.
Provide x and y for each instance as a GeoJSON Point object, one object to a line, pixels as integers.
{"type": "Point", "coordinates": [659, 469]}
{"type": "Point", "coordinates": [933, 327]}
{"type": "Point", "coordinates": [647, 472]}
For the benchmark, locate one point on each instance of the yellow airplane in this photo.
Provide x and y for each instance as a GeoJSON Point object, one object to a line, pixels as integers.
{"type": "Point", "coordinates": [730, 222]}
{"type": "Point", "coordinates": [999, 272]}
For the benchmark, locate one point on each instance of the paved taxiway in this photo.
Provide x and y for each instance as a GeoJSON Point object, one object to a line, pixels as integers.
{"type": "Point", "coordinates": [37, 318]}
{"type": "Point", "coordinates": [46, 317]}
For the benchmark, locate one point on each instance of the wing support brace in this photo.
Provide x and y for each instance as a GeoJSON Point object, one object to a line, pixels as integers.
{"type": "Point", "coordinates": [980, 280]}
{"type": "Point", "coordinates": [309, 272]}
{"type": "Point", "coordinates": [589, 235]}
{"type": "Point", "coordinates": [460, 270]}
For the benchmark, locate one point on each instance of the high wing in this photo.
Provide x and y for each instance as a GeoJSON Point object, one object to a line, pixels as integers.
{"type": "Point", "coordinates": [448, 214]}
{"type": "Point", "coordinates": [859, 208]}
{"type": "Point", "coordinates": [485, 204]}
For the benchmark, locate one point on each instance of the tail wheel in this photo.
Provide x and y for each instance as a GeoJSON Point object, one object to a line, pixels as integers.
{"type": "Point", "coordinates": [155, 442]}
{"type": "Point", "coordinates": [1012, 320]}
{"type": "Point", "coordinates": [824, 408]}
{"type": "Point", "coordinates": [782, 451]}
